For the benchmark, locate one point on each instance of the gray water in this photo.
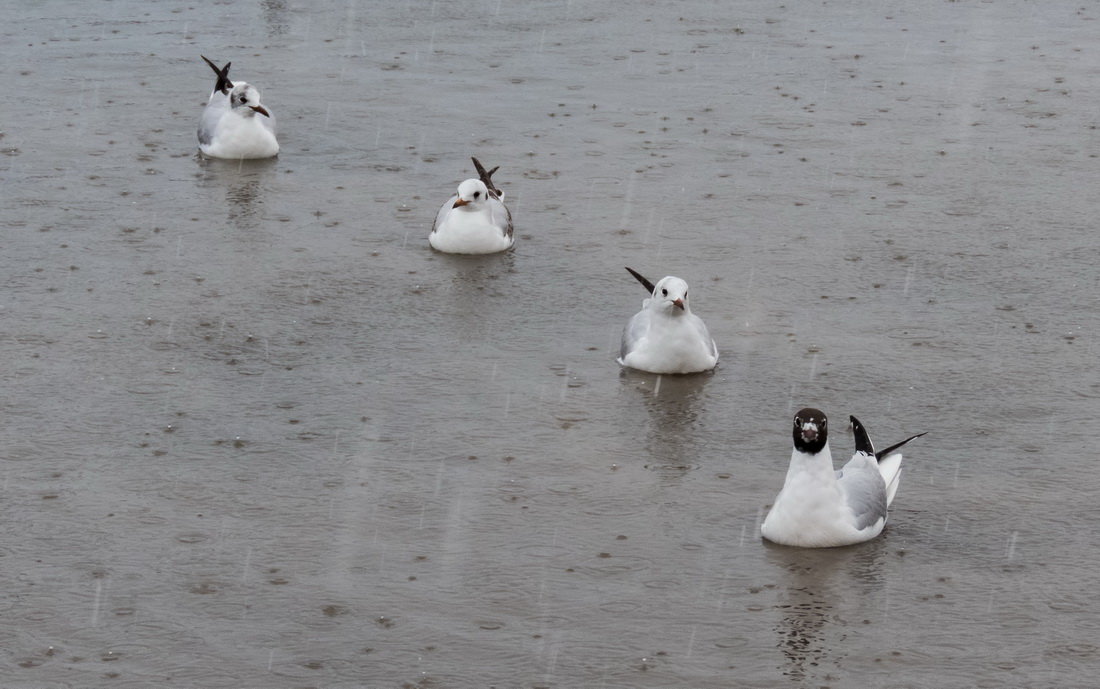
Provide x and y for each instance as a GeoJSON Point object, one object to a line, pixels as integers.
{"type": "Point", "coordinates": [256, 434]}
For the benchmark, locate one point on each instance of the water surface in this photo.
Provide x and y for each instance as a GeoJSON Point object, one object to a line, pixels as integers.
{"type": "Point", "coordinates": [257, 434]}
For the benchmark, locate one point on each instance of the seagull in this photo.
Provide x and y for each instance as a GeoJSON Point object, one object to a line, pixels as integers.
{"type": "Point", "coordinates": [235, 124]}
{"type": "Point", "coordinates": [820, 508]}
{"type": "Point", "coordinates": [474, 220]}
{"type": "Point", "coordinates": [665, 336]}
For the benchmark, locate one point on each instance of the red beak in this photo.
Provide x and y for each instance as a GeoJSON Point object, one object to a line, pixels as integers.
{"type": "Point", "coordinates": [459, 202]}
{"type": "Point", "coordinates": [678, 302]}
{"type": "Point", "coordinates": [260, 109]}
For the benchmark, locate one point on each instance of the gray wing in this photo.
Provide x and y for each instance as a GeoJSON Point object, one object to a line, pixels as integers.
{"type": "Point", "coordinates": [864, 492]}
{"type": "Point", "coordinates": [636, 328]}
{"type": "Point", "coordinates": [443, 210]}
{"type": "Point", "coordinates": [217, 106]}
{"type": "Point", "coordinates": [501, 216]}
{"type": "Point", "coordinates": [701, 328]}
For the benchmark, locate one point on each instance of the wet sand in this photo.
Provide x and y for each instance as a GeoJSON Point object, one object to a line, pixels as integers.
{"type": "Point", "coordinates": [255, 433]}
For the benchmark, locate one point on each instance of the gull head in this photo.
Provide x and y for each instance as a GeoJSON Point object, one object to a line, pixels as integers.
{"type": "Point", "coordinates": [247, 97]}
{"type": "Point", "coordinates": [811, 430]}
{"type": "Point", "coordinates": [670, 294]}
{"type": "Point", "coordinates": [472, 193]}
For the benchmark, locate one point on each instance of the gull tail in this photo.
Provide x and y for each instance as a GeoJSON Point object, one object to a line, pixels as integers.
{"type": "Point", "coordinates": [223, 84]}
{"type": "Point", "coordinates": [487, 177]}
{"type": "Point", "coordinates": [645, 283]}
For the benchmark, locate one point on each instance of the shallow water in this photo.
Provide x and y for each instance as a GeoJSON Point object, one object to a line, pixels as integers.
{"type": "Point", "coordinates": [257, 434]}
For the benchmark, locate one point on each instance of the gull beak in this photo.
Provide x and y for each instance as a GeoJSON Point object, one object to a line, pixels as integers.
{"type": "Point", "coordinates": [809, 433]}
{"type": "Point", "coordinates": [260, 109]}
{"type": "Point", "coordinates": [459, 202]}
{"type": "Point", "coordinates": [679, 303]}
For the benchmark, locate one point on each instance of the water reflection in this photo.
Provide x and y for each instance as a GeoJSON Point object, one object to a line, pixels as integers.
{"type": "Point", "coordinates": [474, 280]}
{"type": "Point", "coordinates": [821, 592]}
{"type": "Point", "coordinates": [245, 182]}
{"type": "Point", "coordinates": [675, 405]}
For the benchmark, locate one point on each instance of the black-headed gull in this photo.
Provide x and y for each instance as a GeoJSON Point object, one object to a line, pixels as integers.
{"type": "Point", "coordinates": [665, 336]}
{"type": "Point", "coordinates": [235, 124]}
{"type": "Point", "coordinates": [474, 220]}
{"type": "Point", "coordinates": [821, 508]}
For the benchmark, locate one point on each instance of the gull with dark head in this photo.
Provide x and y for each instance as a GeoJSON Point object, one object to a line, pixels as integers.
{"type": "Point", "coordinates": [235, 124]}
{"type": "Point", "coordinates": [665, 336]}
{"type": "Point", "coordinates": [474, 220]}
{"type": "Point", "coordinates": [821, 508]}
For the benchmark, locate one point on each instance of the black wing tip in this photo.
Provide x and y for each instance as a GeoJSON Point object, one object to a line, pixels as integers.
{"type": "Point", "coordinates": [883, 454]}
{"type": "Point", "coordinates": [641, 278]}
{"type": "Point", "coordinates": [487, 177]}
{"type": "Point", "coordinates": [863, 441]}
{"type": "Point", "coordinates": [223, 84]}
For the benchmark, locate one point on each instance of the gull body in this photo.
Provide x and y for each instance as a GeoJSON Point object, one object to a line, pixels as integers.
{"type": "Point", "coordinates": [474, 220]}
{"type": "Point", "coordinates": [819, 507]}
{"type": "Point", "coordinates": [665, 336]}
{"type": "Point", "coordinates": [235, 124]}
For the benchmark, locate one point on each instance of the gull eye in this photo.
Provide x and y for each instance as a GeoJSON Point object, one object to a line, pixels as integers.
{"type": "Point", "coordinates": [664, 292]}
{"type": "Point", "coordinates": [477, 194]}
{"type": "Point", "coordinates": [243, 99]}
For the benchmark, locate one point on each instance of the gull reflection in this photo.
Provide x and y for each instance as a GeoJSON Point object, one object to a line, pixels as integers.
{"type": "Point", "coordinates": [821, 594]}
{"type": "Point", "coordinates": [675, 404]}
{"type": "Point", "coordinates": [245, 183]}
